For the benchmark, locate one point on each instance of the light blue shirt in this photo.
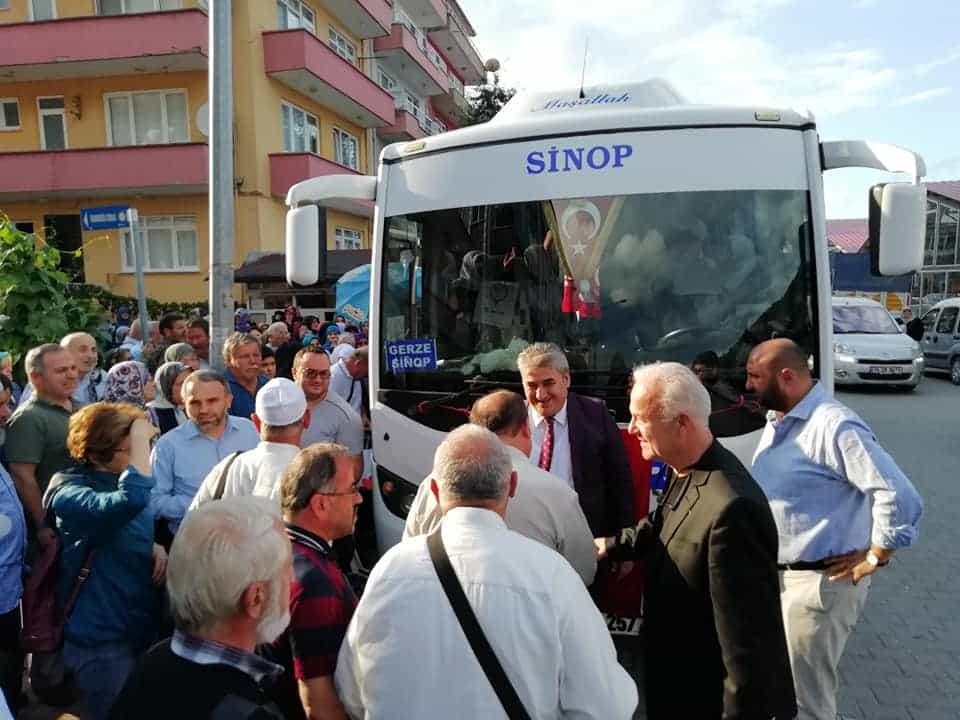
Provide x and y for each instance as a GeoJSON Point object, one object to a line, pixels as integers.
{"type": "Point", "coordinates": [832, 488]}
{"type": "Point", "coordinates": [13, 540]}
{"type": "Point", "coordinates": [182, 458]}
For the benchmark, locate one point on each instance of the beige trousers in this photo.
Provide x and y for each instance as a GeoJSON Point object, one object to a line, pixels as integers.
{"type": "Point", "coordinates": [818, 616]}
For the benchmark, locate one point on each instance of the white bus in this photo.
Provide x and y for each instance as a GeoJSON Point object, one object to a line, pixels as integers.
{"type": "Point", "coordinates": [620, 223]}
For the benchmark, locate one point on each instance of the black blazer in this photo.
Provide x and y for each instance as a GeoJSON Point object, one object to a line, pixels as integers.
{"type": "Point", "coordinates": [600, 468]}
{"type": "Point", "coordinates": [714, 630]}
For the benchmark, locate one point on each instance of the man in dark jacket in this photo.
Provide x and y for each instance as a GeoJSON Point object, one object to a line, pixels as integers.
{"type": "Point", "coordinates": [714, 634]}
{"type": "Point", "coordinates": [575, 438]}
{"type": "Point", "coordinates": [208, 670]}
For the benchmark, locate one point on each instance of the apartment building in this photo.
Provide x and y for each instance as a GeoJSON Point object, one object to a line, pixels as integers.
{"type": "Point", "coordinates": [104, 102]}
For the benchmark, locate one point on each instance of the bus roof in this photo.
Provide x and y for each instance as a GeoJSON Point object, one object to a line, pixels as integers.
{"type": "Point", "coordinates": [651, 104]}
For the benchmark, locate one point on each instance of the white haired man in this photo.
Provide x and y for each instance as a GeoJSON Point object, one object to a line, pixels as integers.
{"type": "Point", "coordinates": [228, 578]}
{"type": "Point", "coordinates": [533, 608]}
{"type": "Point", "coordinates": [280, 417]}
{"type": "Point", "coordinates": [278, 340]}
{"type": "Point", "coordinates": [714, 634]}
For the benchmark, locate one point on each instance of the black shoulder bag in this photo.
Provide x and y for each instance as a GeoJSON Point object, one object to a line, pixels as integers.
{"type": "Point", "coordinates": [471, 628]}
{"type": "Point", "coordinates": [222, 480]}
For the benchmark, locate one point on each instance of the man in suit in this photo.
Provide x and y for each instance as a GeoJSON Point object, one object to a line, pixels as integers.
{"type": "Point", "coordinates": [714, 633]}
{"type": "Point", "coordinates": [576, 439]}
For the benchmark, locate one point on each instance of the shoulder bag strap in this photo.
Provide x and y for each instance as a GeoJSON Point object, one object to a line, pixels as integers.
{"type": "Point", "coordinates": [222, 480]}
{"type": "Point", "coordinates": [471, 628]}
{"type": "Point", "coordinates": [84, 572]}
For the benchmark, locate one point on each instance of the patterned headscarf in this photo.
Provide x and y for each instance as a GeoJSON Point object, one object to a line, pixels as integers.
{"type": "Point", "coordinates": [125, 383]}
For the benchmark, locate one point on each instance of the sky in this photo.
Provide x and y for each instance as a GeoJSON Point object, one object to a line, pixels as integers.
{"type": "Point", "coordinates": [883, 70]}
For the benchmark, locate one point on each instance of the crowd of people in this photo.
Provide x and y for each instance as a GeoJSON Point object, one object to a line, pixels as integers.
{"type": "Point", "coordinates": [199, 518]}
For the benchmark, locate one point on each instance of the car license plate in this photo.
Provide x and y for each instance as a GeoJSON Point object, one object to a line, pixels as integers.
{"type": "Point", "coordinates": [887, 370]}
{"type": "Point", "coordinates": [623, 625]}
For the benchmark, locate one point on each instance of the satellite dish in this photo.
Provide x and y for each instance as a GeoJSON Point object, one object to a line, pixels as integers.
{"type": "Point", "coordinates": [492, 65]}
{"type": "Point", "coordinates": [202, 119]}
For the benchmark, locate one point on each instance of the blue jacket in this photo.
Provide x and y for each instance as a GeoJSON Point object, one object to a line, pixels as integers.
{"type": "Point", "coordinates": [111, 515]}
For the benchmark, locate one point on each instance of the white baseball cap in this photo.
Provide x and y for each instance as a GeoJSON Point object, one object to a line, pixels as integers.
{"type": "Point", "coordinates": [280, 402]}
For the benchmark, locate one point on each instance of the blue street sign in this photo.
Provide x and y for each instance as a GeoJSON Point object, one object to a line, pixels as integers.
{"type": "Point", "coordinates": [110, 217]}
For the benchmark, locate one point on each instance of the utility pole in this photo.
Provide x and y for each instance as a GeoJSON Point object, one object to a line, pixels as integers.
{"type": "Point", "coordinates": [221, 177]}
{"type": "Point", "coordinates": [136, 240]}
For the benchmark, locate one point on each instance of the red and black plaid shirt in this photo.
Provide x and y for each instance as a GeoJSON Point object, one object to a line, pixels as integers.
{"type": "Point", "coordinates": [321, 605]}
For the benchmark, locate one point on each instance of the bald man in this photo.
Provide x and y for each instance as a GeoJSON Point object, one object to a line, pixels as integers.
{"type": "Point", "coordinates": [842, 508]}
{"type": "Point", "coordinates": [91, 385]}
{"type": "Point", "coordinates": [544, 508]}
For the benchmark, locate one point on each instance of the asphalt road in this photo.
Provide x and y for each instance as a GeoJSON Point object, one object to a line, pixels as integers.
{"type": "Point", "coordinates": [903, 659]}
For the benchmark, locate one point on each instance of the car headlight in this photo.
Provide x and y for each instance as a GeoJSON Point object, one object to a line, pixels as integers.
{"type": "Point", "coordinates": [916, 351]}
{"type": "Point", "coordinates": [844, 349]}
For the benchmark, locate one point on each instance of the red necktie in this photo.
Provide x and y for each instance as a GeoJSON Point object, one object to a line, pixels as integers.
{"type": "Point", "coordinates": [546, 450]}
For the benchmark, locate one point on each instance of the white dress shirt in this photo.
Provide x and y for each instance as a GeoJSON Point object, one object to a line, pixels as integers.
{"type": "Point", "coordinates": [256, 472]}
{"type": "Point", "coordinates": [346, 386]}
{"type": "Point", "coordinates": [560, 465]}
{"type": "Point", "coordinates": [544, 509]}
{"type": "Point", "coordinates": [406, 656]}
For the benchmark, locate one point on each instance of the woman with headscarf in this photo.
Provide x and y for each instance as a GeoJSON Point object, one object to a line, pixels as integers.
{"type": "Point", "coordinates": [182, 353]}
{"type": "Point", "coordinates": [129, 382]}
{"type": "Point", "coordinates": [166, 409]}
{"type": "Point", "coordinates": [330, 337]}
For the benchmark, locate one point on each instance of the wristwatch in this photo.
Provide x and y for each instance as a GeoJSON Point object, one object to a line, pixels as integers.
{"type": "Point", "coordinates": [873, 559]}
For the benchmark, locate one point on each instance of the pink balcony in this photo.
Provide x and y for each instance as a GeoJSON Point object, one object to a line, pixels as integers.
{"type": "Point", "coordinates": [363, 18]}
{"type": "Point", "coordinates": [427, 14]}
{"type": "Point", "coordinates": [406, 127]}
{"type": "Point", "coordinates": [402, 56]}
{"type": "Point", "coordinates": [453, 41]}
{"type": "Point", "coordinates": [173, 41]}
{"type": "Point", "coordinates": [287, 169]}
{"type": "Point", "coordinates": [104, 172]}
{"type": "Point", "coordinates": [300, 61]}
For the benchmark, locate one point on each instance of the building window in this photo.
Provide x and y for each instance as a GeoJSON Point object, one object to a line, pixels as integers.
{"type": "Point", "coordinates": [301, 130]}
{"type": "Point", "coordinates": [4, 4]}
{"type": "Point", "coordinates": [24, 226]}
{"type": "Point", "coordinates": [386, 81]}
{"type": "Point", "coordinates": [348, 239]}
{"type": "Point", "coordinates": [293, 14]}
{"type": "Point", "coordinates": [53, 123]}
{"type": "Point", "coordinates": [170, 243]}
{"type": "Point", "coordinates": [947, 234]}
{"type": "Point", "coordinates": [343, 47]}
{"type": "Point", "coordinates": [930, 240]}
{"type": "Point", "coordinates": [346, 149]}
{"type": "Point", "coordinates": [128, 7]}
{"type": "Point", "coordinates": [9, 114]}
{"type": "Point", "coordinates": [147, 118]}
{"type": "Point", "coordinates": [42, 10]}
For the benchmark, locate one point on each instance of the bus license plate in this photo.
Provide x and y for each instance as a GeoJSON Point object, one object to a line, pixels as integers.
{"type": "Point", "coordinates": [623, 625]}
{"type": "Point", "coordinates": [887, 370]}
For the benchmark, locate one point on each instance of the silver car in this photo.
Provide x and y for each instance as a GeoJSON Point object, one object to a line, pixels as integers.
{"type": "Point", "coordinates": [869, 348]}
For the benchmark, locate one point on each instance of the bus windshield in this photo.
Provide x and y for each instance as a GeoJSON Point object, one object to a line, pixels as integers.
{"type": "Point", "coordinates": [616, 281]}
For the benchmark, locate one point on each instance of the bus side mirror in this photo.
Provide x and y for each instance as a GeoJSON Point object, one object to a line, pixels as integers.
{"type": "Point", "coordinates": [897, 226]}
{"type": "Point", "coordinates": [306, 245]}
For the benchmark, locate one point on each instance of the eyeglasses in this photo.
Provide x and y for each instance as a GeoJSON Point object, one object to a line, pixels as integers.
{"type": "Point", "coordinates": [354, 490]}
{"type": "Point", "coordinates": [314, 374]}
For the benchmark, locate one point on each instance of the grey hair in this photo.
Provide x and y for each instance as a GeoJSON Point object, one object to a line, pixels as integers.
{"type": "Point", "coordinates": [67, 339]}
{"type": "Point", "coordinates": [236, 341]}
{"type": "Point", "coordinates": [673, 390]}
{"type": "Point", "coordinates": [543, 355]}
{"type": "Point", "coordinates": [277, 327]}
{"type": "Point", "coordinates": [220, 550]}
{"type": "Point", "coordinates": [472, 464]}
{"type": "Point", "coordinates": [348, 338]}
{"type": "Point", "coordinates": [36, 358]}
{"type": "Point", "coordinates": [313, 470]}
{"type": "Point", "coordinates": [178, 352]}
{"type": "Point", "coordinates": [201, 376]}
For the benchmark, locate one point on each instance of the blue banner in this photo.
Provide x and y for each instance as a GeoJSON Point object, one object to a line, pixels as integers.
{"type": "Point", "coordinates": [403, 355]}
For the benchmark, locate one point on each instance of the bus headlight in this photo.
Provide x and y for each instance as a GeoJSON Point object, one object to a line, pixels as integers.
{"type": "Point", "coordinates": [397, 493]}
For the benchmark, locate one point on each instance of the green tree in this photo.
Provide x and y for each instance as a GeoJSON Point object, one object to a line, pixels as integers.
{"type": "Point", "coordinates": [487, 99]}
{"type": "Point", "coordinates": [36, 303]}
